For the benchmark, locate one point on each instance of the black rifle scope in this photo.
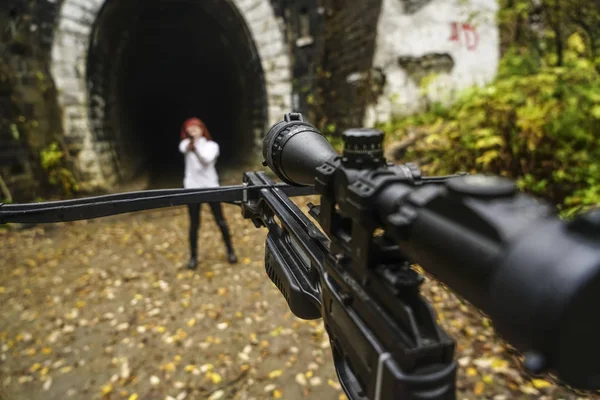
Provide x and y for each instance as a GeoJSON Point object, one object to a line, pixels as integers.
{"type": "Point", "coordinates": [536, 276]}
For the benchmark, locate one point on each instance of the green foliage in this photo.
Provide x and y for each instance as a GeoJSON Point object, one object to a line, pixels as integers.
{"type": "Point", "coordinates": [52, 160]}
{"type": "Point", "coordinates": [537, 124]}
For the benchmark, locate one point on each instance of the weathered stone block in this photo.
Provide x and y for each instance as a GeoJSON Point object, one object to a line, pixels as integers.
{"type": "Point", "coordinates": [68, 25]}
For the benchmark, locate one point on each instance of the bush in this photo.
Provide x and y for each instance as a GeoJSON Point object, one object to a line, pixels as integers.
{"type": "Point", "coordinates": [52, 159]}
{"type": "Point", "coordinates": [539, 125]}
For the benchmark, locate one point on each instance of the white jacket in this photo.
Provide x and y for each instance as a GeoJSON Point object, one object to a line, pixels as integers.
{"type": "Point", "coordinates": [200, 169]}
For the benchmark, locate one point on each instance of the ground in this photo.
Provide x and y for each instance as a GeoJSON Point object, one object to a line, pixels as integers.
{"type": "Point", "coordinates": [103, 309]}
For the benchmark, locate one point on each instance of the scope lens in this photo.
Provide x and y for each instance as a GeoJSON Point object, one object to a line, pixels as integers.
{"type": "Point", "coordinates": [293, 149]}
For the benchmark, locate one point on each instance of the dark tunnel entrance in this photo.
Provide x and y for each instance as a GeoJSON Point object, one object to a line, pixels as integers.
{"type": "Point", "coordinates": [154, 63]}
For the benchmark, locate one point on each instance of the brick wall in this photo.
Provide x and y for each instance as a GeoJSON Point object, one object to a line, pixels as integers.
{"type": "Point", "coordinates": [29, 115]}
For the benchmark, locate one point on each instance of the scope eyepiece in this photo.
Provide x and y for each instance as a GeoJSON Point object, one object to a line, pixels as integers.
{"type": "Point", "coordinates": [293, 149]}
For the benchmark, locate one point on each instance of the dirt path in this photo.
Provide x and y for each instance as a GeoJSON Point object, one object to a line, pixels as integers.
{"type": "Point", "coordinates": [103, 309]}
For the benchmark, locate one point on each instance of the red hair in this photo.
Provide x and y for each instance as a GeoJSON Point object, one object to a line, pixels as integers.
{"type": "Point", "coordinates": [194, 122]}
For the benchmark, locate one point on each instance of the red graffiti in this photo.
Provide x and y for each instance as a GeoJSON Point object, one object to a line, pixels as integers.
{"type": "Point", "coordinates": [469, 32]}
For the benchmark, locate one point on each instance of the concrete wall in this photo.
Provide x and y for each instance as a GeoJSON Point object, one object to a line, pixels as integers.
{"type": "Point", "coordinates": [456, 40]}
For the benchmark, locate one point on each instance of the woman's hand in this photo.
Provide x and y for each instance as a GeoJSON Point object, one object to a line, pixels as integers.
{"type": "Point", "coordinates": [191, 145]}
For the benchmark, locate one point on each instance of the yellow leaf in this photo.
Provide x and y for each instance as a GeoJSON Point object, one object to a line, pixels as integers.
{"type": "Point", "coordinates": [206, 367]}
{"type": "Point", "coordinates": [169, 367]}
{"type": "Point", "coordinates": [498, 363]}
{"type": "Point", "coordinates": [209, 274]}
{"type": "Point", "coordinates": [46, 350]}
{"type": "Point", "coordinates": [80, 304]}
{"type": "Point", "coordinates": [215, 378]}
{"type": "Point", "coordinates": [222, 291]}
{"type": "Point", "coordinates": [191, 322]}
{"type": "Point", "coordinates": [342, 397]}
{"type": "Point", "coordinates": [277, 394]}
{"type": "Point", "coordinates": [277, 331]}
{"type": "Point", "coordinates": [106, 389]}
{"type": "Point", "coordinates": [246, 261]}
{"type": "Point", "coordinates": [479, 388]}
{"type": "Point", "coordinates": [66, 370]}
{"type": "Point", "coordinates": [274, 374]}
{"type": "Point", "coordinates": [334, 384]}
{"type": "Point", "coordinates": [488, 379]}
{"type": "Point", "coordinates": [44, 372]}
{"type": "Point", "coordinates": [540, 383]}
{"type": "Point", "coordinates": [309, 374]}
{"type": "Point", "coordinates": [2, 289]}
{"type": "Point", "coordinates": [134, 397]}
{"type": "Point", "coordinates": [30, 351]}
{"type": "Point", "coordinates": [35, 367]}
{"type": "Point", "coordinates": [189, 368]}
{"type": "Point", "coordinates": [471, 371]}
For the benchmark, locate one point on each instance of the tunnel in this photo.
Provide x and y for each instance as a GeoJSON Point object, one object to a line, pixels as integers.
{"type": "Point", "coordinates": [154, 63]}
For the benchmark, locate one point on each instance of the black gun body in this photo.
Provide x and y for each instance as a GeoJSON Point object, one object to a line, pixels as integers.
{"type": "Point", "coordinates": [375, 329]}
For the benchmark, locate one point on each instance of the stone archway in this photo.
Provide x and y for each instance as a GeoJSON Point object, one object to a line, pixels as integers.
{"type": "Point", "coordinates": [129, 71]}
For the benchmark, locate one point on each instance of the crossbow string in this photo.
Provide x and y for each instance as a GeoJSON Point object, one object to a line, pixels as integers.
{"type": "Point", "coordinates": [102, 206]}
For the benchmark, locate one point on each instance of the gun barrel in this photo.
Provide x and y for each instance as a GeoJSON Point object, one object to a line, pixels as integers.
{"type": "Point", "coordinates": [537, 277]}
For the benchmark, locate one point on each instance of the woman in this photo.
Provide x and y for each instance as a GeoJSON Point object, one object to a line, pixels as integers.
{"type": "Point", "coordinates": [201, 153]}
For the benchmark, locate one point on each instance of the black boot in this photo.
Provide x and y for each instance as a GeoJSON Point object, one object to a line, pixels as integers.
{"type": "Point", "coordinates": [231, 256]}
{"type": "Point", "coordinates": [227, 239]}
{"type": "Point", "coordinates": [192, 263]}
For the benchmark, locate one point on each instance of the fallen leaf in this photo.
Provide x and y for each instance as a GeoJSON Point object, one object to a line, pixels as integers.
{"type": "Point", "coordinates": [106, 389]}
{"type": "Point", "coordinates": [216, 395]}
{"type": "Point", "coordinates": [479, 388]}
{"type": "Point", "coordinates": [301, 379]}
{"type": "Point", "coordinates": [277, 394]}
{"type": "Point", "coordinates": [274, 374]}
{"type": "Point", "coordinates": [315, 381]}
{"type": "Point", "coordinates": [540, 383]}
{"type": "Point", "coordinates": [214, 377]}
{"type": "Point", "coordinates": [334, 384]}
{"type": "Point", "coordinates": [222, 326]}
{"type": "Point", "coordinates": [47, 384]}
{"type": "Point", "coordinates": [270, 387]}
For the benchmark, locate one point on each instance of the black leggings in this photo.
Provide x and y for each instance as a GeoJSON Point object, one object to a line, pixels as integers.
{"type": "Point", "coordinates": [217, 211]}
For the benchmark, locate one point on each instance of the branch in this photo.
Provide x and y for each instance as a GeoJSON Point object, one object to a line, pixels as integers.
{"type": "Point", "coordinates": [5, 190]}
